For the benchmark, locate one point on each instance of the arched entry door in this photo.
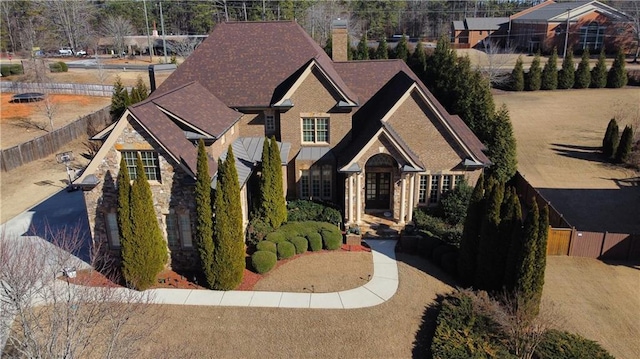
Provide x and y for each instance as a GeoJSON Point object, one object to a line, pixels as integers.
{"type": "Point", "coordinates": [378, 177]}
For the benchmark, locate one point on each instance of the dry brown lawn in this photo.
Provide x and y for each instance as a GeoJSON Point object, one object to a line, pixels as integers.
{"type": "Point", "coordinates": [559, 134]}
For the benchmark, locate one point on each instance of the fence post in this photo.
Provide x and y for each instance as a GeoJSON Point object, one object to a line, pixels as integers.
{"type": "Point", "coordinates": [571, 240]}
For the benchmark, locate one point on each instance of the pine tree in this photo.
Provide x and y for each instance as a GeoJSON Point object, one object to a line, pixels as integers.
{"type": "Point", "coordinates": [119, 99]}
{"type": "Point", "coordinates": [204, 215]}
{"type": "Point", "coordinates": [517, 76]}
{"type": "Point", "coordinates": [502, 146]}
{"type": "Point", "coordinates": [583, 74]}
{"type": "Point", "coordinates": [610, 140]}
{"type": "Point", "coordinates": [440, 72]}
{"type": "Point", "coordinates": [141, 88]}
{"type": "Point", "coordinates": [382, 52]}
{"type": "Point", "coordinates": [617, 76]}
{"type": "Point", "coordinates": [402, 49]}
{"type": "Point", "coordinates": [566, 76]}
{"type": "Point", "coordinates": [147, 255]}
{"type": "Point", "coordinates": [534, 76]}
{"type": "Point", "coordinates": [511, 237]}
{"type": "Point", "coordinates": [362, 51]}
{"type": "Point", "coordinates": [488, 275]}
{"type": "Point", "coordinates": [124, 204]}
{"type": "Point", "coordinates": [526, 265]}
{"type": "Point", "coordinates": [133, 96]}
{"type": "Point", "coordinates": [468, 254]}
{"type": "Point", "coordinates": [626, 142]}
{"type": "Point", "coordinates": [228, 232]}
{"type": "Point", "coordinates": [418, 60]}
{"type": "Point", "coordinates": [279, 202]}
{"type": "Point", "coordinates": [550, 72]}
{"type": "Point", "coordinates": [599, 72]}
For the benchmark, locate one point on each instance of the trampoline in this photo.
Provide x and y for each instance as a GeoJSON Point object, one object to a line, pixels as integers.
{"type": "Point", "coordinates": [28, 97]}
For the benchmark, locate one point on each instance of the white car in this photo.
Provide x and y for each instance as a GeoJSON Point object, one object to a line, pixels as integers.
{"type": "Point", "coordinates": [65, 51]}
{"type": "Point", "coordinates": [81, 53]}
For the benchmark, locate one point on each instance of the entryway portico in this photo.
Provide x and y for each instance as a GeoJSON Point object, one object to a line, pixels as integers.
{"type": "Point", "coordinates": [381, 178]}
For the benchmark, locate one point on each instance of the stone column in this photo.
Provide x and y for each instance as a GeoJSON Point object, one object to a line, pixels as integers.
{"type": "Point", "coordinates": [412, 196]}
{"type": "Point", "coordinates": [350, 183]}
{"type": "Point", "coordinates": [403, 197]}
{"type": "Point", "coordinates": [358, 198]}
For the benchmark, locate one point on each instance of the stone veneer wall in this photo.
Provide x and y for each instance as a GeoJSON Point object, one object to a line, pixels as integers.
{"type": "Point", "coordinates": [169, 194]}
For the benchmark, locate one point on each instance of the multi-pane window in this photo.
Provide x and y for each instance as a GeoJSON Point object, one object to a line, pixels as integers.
{"type": "Point", "coordinates": [458, 179]}
{"type": "Point", "coordinates": [316, 182]}
{"type": "Point", "coordinates": [112, 229]}
{"type": "Point", "coordinates": [422, 189]}
{"type": "Point", "coordinates": [149, 163]}
{"type": "Point", "coordinates": [270, 123]}
{"type": "Point", "coordinates": [315, 129]}
{"type": "Point", "coordinates": [178, 230]}
{"type": "Point", "coordinates": [433, 191]}
{"type": "Point", "coordinates": [446, 183]}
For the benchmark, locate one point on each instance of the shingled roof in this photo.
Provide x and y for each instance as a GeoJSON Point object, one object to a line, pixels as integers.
{"type": "Point", "coordinates": [243, 63]}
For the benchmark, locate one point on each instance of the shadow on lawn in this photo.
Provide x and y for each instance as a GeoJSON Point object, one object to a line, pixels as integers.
{"type": "Point", "coordinates": [426, 330]}
{"type": "Point", "coordinates": [587, 153]}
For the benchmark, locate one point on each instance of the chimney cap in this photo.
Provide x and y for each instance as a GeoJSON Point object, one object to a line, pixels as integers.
{"type": "Point", "coordinates": [339, 24]}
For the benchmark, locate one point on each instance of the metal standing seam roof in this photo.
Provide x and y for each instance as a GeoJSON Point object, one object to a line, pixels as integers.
{"type": "Point", "coordinates": [547, 12]}
{"type": "Point", "coordinates": [314, 153]}
{"type": "Point", "coordinates": [458, 25]}
{"type": "Point", "coordinates": [485, 23]}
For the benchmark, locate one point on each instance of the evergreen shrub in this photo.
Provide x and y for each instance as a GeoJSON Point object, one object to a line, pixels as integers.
{"type": "Point", "coordinates": [59, 66]}
{"type": "Point", "coordinates": [263, 261]}
{"type": "Point", "coordinates": [332, 239]}
{"type": "Point", "coordinates": [286, 250]}
{"type": "Point", "coordinates": [449, 262]}
{"type": "Point", "coordinates": [563, 345]}
{"type": "Point", "coordinates": [315, 241]}
{"type": "Point", "coordinates": [301, 244]}
{"type": "Point", "coordinates": [266, 246]}
{"type": "Point", "coordinates": [257, 230]}
{"type": "Point", "coordinates": [427, 244]}
{"type": "Point", "coordinates": [304, 210]}
{"type": "Point", "coordinates": [276, 237]}
{"type": "Point", "coordinates": [441, 250]}
{"type": "Point", "coordinates": [13, 69]}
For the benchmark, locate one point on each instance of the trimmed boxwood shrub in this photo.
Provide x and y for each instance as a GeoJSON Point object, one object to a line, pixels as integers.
{"type": "Point", "coordinates": [263, 261]}
{"type": "Point", "coordinates": [276, 237]}
{"type": "Point", "coordinates": [286, 250]}
{"type": "Point", "coordinates": [11, 69]}
{"type": "Point", "coordinates": [332, 239]}
{"type": "Point", "coordinates": [562, 345]}
{"type": "Point", "coordinates": [59, 66]}
{"type": "Point", "coordinates": [449, 262]}
{"type": "Point", "coordinates": [300, 243]}
{"type": "Point", "coordinates": [304, 210]}
{"type": "Point", "coordinates": [266, 246]}
{"type": "Point", "coordinates": [257, 230]}
{"type": "Point", "coordinates": [315, 241]}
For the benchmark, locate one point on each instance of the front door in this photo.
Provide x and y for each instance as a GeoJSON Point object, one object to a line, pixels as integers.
{"type": "Point", "coordinates": [378, 190]}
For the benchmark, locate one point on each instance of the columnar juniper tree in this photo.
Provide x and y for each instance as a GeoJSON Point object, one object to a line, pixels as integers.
{"type": "Point", "coordinates": [611, 138]}
{"type": "Point", "coordinates": [279, 203]}
{"type": "Point", "coordinates": [517, 76]}
{"type": "Point", "coordinates": [510, 236]}
{"type": "Point", "coordinates": [541, 256]}
{"type": "Point", "coordinates": [526, 279]}
{"type": "Point", "coordinates": [488, 275]}
{"type": "Point", "coordinates": [382, 52]}
{"type": "Point", "coordinates": [624, 148]}
{"type": "Point", "coordinates": [583, 75]}
{"type": "Point", "coordinates": [502, 146]}
{"type": "Point", "coordinates": [228, 233]}
{"type": "Point", "coordinates": [468, 256]}
{"type": "Point", "coordinates": [145, 254]}
{"type": "Point", "coordinates": [617, 76]}
{"type": "Point", "coordinates": [124, 205]}
{"type": "Point", "coordinates": [550, 72]}
{"type": "Point", "coordinates": [599, 72]}
{"type": "Point", "coordinates": [534, 76]}
{"type": "Point", "coordinates": [204, 215]}
{"type": "Point", "coordinates": [566, 76]}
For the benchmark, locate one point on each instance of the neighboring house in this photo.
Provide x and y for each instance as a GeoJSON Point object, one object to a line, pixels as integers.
{"type": "Point", "coordinates": [592, 25]}
{"type": "Point", "coordinates": [365, 135]}
{"type": "Point", "coordinates": [479, 32]}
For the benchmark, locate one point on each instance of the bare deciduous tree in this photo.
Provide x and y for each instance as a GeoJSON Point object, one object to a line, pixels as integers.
{"type": "Point", "coordinates": [49, 108]}
{"type": "Point", "coordinates": [101, 72]}
{"type": "Point", "coordinates": [499, 63]}
{"type": "Point", "coordinates": [117, 27]}
{"type": "Point", "coordinates": [72, 20]}
{"type": "Point", "coordinates": [186, 47]}
{"type": "Point", "coordinates": [43, 316]}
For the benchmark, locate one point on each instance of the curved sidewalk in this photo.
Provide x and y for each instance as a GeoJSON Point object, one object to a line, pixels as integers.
{"type": "Point", "coordinates": [382, 286]}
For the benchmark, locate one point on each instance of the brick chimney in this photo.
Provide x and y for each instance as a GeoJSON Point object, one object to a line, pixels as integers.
{"type": "Point", "coordinates": [339, 38]}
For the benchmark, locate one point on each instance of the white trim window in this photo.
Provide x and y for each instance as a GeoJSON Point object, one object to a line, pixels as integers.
{"type": "Point", "coordinates": [149, 162]}
{"type": "Point", "coordinates": [315, 130]}
{"type": "Point", "coordinates": [317, 182]}
{"type": "Point", "coordinates": [178, 227]}
{"type": "Point", "coordinates": [113, 233]}
{"type": "Point", "coordinates": [431, 187]}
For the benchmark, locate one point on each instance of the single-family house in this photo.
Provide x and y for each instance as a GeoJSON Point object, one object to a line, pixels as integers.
{"type": "Point", "coordinates": [365, 135]}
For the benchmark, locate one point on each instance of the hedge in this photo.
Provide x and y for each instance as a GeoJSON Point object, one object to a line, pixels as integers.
{"type": "Point", "coordinates": [13, 69]}
{"type": "Point", "coordinates": [300, 243]}
{"type": "Point", "coordinates": [332, 239]}
{"type": "Point", "coordinates": [315, 241]}
{"type": "Point", "coordinates": [286, 250]}
{"type": "Point", "coordinates": [427, 244]}
{"type": "Point", "coordinates": [304, 210]}
{"type": "Point", "coordinates": [276, 237]}
{"type": "Point", "coordinates": [263, 261]}
{"type": "Point", "coordinates": [267, 246]}
{"type": "Point", "coordinates": [58, 67]}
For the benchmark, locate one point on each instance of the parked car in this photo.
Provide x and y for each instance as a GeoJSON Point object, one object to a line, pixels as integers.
{"type": "Point", "coordinates": [81, 53]}
{"type": "Point", "coordinates": [65, 51]}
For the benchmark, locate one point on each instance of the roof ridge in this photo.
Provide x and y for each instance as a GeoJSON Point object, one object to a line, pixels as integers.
{"type": "Point", "coordinates": [162, 94]}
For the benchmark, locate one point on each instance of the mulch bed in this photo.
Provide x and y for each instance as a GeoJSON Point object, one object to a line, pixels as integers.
{"type": "Point", "coordinates": [170, 279]}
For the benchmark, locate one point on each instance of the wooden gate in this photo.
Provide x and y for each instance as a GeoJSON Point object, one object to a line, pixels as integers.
{"type": "Point", "coordinates": [558, 241]}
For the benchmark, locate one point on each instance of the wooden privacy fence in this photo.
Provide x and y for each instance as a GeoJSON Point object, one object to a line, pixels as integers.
{"type": "Point", "coordinates": [564, 239]}
{"type": "Point", "coordinates": [51, 142]}
{"type": "Point", "coordinates": [57, 88]}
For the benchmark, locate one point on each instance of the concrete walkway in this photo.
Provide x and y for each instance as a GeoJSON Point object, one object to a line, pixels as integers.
{"type": "Point", "coordinates": [382, 286]}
